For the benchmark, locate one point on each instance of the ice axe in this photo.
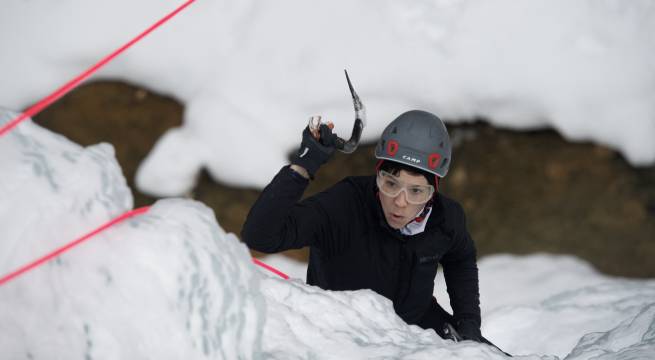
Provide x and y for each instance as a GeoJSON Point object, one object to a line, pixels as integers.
{"type": "Point", "coordinates": [345, 146]}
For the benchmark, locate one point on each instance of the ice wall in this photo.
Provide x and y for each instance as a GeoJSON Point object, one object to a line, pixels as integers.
{"type": "Point", "coordinates": [168, 284]}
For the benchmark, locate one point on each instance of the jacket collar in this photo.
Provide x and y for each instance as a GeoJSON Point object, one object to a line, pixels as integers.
{"type": "Point", "coordinates": [417, 225]}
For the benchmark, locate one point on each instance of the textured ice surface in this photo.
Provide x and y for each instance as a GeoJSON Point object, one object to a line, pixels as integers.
{"type": "Point", "coordinates": [545, 304]}
{"type": "Point", "coordinates": [631, 339]}
{"type": "Point", "coordinates": [308, 323]}
{"type": "Point", "coordinates": [251, 73]}
{"type": "Point", "coordinates": [170, 284]}
{"type": "Point", "coordinates": [48, 182]}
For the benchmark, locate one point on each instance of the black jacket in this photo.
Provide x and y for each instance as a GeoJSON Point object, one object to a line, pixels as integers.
{"type": "Point", "coordinates": [352, 247]}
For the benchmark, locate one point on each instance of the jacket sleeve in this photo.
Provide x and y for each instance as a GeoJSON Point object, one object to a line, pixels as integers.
{"type": "Point", "coordinates": [279, 221]}
{"type": "Point", "coordinates": [461, 273]}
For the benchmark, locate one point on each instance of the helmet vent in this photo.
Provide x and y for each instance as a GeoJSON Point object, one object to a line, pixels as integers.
{"type": "Point", "coordinates": [392, 148]}
{"type": "Point", "coordinates": [394, 130]}
{"type": "Point", "coordinates": [441, 144]}
{"type": "Point", "coordinates": [433, 160]}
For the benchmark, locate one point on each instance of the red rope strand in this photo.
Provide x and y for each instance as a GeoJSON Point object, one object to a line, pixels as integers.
{"type": "Point", "coordinates": [40, 261]}
{"type": "Point", "coordinates": [271, 269]}
{"type": "Point", "coordinates": [48, 100]}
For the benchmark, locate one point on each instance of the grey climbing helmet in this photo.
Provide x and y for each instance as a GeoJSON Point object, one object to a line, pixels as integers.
{"type": "Point", "coordinates": [418, 139]}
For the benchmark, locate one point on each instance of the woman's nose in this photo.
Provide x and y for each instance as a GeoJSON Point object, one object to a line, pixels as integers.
{"type": "Point", "coordinates": [401, 199]}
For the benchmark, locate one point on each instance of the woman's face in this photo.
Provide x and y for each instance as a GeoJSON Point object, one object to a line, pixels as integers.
{"type": "Point", "coordinates": [397, 211]}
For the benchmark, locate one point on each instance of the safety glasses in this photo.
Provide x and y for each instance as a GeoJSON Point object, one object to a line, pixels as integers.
{"type": "Point", "coordinates": [391, 186]}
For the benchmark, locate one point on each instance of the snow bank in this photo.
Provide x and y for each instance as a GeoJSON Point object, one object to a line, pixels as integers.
{"type": "Point", "coordinates": [171, 284]}
{"type": "Point", "coordinates": [251, 73]}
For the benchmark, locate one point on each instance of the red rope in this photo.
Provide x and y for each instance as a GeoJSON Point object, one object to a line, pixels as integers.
{"type": "Point", "coordinates": [42, 260]}
{"type": "Point", "coordinates": [14, 274]}
{"type": "Point", "coordinates": [271, 269]}
{"type": "Point", "coordinates": [45, 102]}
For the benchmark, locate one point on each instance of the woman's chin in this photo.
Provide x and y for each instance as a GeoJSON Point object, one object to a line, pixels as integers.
{"type": "Point", "coordinates": [395, 223]}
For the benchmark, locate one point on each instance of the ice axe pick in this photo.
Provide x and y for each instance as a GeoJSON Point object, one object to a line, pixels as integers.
{"type": "Point", "coordinates": [345, 146]}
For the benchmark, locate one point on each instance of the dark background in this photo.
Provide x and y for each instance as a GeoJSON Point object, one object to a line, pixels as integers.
{"type": "Point", "coordinates": [523, 192]}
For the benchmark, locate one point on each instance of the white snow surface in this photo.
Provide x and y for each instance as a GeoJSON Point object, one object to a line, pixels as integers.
{"type": "Point", "coordinates": [171, 284]}
{"type": "Point", "coordinates": [251, 73]}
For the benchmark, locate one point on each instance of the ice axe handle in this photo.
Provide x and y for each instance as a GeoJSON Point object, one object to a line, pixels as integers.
{"type": "Point", "coordinates": [315, 126]}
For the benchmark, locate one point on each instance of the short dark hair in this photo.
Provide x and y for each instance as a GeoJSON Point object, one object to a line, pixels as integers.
{"type": "Point", "coordinates": [394, 168]}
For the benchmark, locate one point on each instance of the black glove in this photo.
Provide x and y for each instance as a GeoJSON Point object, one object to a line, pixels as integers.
{"type": "Point", "coordinates": [469, 330]}
{"type": "Point", "coordinates": [314, 153]}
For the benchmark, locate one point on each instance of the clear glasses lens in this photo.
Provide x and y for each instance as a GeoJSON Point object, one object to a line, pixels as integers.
{"type": "Point", "coordinates": [391, 186]}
